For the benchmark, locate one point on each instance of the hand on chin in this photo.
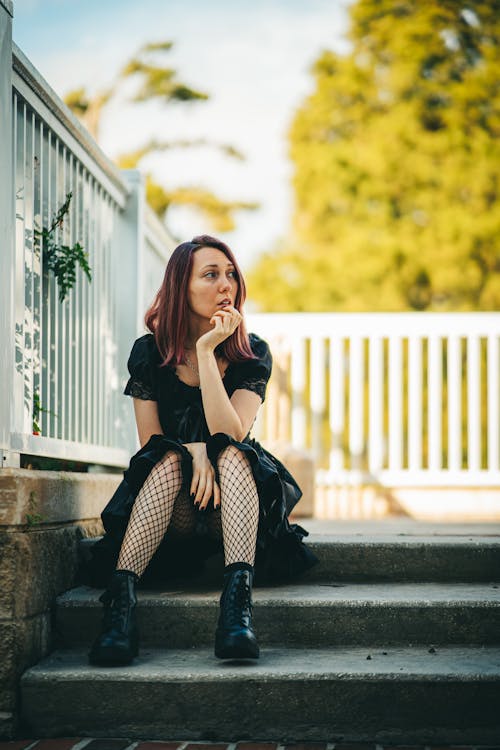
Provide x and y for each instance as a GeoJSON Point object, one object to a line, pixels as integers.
{"type": "Point", "coordinates": [225, 321]}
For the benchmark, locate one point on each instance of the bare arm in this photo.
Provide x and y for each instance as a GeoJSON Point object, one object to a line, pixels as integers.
{"type": "Point", "coordinates": [234, 415]}
{"type": "Point", "coordinates": [147, 419]}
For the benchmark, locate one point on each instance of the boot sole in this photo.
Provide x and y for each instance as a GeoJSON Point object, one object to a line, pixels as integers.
{"type": "Point", "coordinates": [111, 660]}
{"type": "Point", "coordinates": [236, 648]}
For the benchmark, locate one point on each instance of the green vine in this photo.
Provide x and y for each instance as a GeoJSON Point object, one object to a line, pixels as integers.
{"type": "Point", "coordinates": [33, 518]}
{"type": "Point", "coordinates": [62, 259]}
{"type": "Point", "coordinates": [37, 410]}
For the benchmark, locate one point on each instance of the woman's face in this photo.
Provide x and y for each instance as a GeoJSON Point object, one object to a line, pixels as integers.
{"type": "Point", "coordinates": [212, 285]}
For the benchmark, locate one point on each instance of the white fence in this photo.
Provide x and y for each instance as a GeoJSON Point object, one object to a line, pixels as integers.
{"type": "Point", "coordinates": [396, 399]}
{"type": "Point", "coordinates": [68, 357]}
{"type": "Point", "coordinates": [390, 399]}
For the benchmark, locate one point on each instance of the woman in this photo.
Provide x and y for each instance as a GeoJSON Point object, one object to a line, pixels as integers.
{"type": "Point", "coordinates": [199, 481]}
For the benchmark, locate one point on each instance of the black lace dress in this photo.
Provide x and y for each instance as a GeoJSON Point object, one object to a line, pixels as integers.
{"type": "Point", "coordinates": [281, 554]}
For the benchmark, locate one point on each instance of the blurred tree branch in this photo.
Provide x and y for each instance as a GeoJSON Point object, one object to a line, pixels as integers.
{"type": "Point", "coordinates": [158, 82]}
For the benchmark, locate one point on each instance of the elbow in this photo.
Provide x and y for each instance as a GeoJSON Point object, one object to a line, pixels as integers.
{"type": "Point", "coordinates": [236, 432]}
{"type": "Point", "coordinates": [241, 433]}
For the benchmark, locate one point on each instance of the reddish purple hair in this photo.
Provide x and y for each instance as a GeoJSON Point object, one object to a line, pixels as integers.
{"type": "Point", "coordinates": [167, 318]}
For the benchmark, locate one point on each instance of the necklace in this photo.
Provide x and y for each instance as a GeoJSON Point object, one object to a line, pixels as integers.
{"type": "Point", "coordinates": [190, 365]}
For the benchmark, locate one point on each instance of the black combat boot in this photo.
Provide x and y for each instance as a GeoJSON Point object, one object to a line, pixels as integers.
{"type": "Point", "coordinates": [234, 638]}
{"type": "Point", "coordinates": [118, 642]}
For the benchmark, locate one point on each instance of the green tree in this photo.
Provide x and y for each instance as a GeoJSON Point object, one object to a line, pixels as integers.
{"type": "Point", "coordinates": [156, 81]}
{"type": "Point", "coordinates": [397, 159]}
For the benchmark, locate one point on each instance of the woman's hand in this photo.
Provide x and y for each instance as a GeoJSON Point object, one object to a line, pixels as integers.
{"type": "Point", "coordinates": [203, 484]}
{"type": "Point", "coordinates": [225, 322]}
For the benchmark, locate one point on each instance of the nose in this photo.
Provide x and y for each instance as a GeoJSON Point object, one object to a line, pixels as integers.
{"type": "Point", "coordinates": [225, 283]}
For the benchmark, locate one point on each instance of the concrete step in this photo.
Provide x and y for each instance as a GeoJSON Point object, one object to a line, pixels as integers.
{"type": "Point", "coordinates": [387, 557]}
{"type": "Point", "coordinates": [398, 695]}
{"type": "Point", "coordinates": [305, 615]}
{"type": "Point", "coordinates": [394, 557]}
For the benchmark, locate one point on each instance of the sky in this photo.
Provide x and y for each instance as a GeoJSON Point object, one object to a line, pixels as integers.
{"type": "Point", "coordinates": [253, 58]}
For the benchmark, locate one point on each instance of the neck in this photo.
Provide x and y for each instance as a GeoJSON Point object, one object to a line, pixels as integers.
{"type": "Point", "coordinates": [195, 331]}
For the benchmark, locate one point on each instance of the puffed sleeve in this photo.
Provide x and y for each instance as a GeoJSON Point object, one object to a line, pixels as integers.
{"type": "Point", "coordinates": [141, 383]}
{"type": "Point", "coordinates": [254, 374]}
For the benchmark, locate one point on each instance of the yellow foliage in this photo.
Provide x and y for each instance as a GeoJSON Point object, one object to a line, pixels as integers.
{"type": "Point", "coordinates": [396, 156]}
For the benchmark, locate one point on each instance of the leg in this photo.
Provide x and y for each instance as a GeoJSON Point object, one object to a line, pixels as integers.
{"type": "Point", "coordinates": [240, 517]}
{"type": "Point", "coordinates": [239, 506]}
{"type": "Point", "coordinates": [184, 516]}
{"type": "Point", "coordinates": [151, 514]}
{"type": "Point", "coordinates": [119, 641]}
{"type": "Point", "coordinates": [214, 524]}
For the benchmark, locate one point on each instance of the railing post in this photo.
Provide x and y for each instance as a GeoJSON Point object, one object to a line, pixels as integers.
{"type": "Point", "coordinates": [130, 249]}
{"type": "Point", "coordinates": [7, 245]}
{"type": "Point", "coordinates": [132, 252]}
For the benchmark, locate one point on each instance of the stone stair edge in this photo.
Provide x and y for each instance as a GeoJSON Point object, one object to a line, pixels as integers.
{"type": "Point", "coordinates": [424, 687]}
{"type": "Point", "coordinates": [380, 540]}
{"type": "Point", "coordinates": [300, 594]}
{"type": "Point", "coordinates": [460, 661]}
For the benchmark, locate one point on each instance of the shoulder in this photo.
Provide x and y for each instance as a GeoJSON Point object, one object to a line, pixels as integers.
{"type": "Point", "coordinates": [142, 382]}
{"type": "Point", "coordinates": [261, 366]}
{"type": "Point", "coordinates": [259, 347]}
{"type": "Point", "coordinates": [144, 352]}
{"type": "Point", "coordinates": [253, 374]}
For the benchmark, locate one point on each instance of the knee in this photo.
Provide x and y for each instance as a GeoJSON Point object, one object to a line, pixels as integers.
{"type": "Point", "coordinates": [168, 469]}
{"type": "Point", "coordinates": [231, 455]}
{"type": "Point", "coordinates": [171, 460]}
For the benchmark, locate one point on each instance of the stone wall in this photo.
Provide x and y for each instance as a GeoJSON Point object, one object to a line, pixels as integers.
{"type": "Point", "coordinates": [43, 516]}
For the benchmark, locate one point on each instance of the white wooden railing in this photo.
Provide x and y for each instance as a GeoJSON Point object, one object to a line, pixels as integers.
{"type": "Point", "coordinates": [388, 398]}
{"type": "Point", "coordinates": [384, 398]}
{"type": "Point", "coordinates": [71, 355]}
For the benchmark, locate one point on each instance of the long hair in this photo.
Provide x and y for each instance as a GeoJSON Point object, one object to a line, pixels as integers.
{"type": "Point", "coordinates": [167, 318]}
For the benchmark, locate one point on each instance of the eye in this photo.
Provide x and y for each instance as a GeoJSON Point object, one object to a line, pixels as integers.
{"type": "Point", "coordinates": [210, 273]}
{"type": "Point", "coordinates": [232, 273]}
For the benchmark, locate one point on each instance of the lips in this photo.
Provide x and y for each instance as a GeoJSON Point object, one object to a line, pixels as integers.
{"type": "Point", "coordinates": [224, 302]}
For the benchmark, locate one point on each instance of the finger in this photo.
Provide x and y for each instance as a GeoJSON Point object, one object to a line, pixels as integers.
{"type": "Point", "coordinates": [194, 484]}
{"type": "Point", "coordinates": [207, 494]}
{"type": "Point", "coordinates": [219, 315]}
{"type": "Point", "coordinates": [216, 321]}
{"type": "Point", "coordinates": [234, 317]}
{"type": "Point", "coordinates": [200, 492]}
{"type": "Point", "coordinates": [234, 311]}
{"type": "Point", "coordinates": [216, 495]}
{"type": "Point", "coordinates": [227, 319]}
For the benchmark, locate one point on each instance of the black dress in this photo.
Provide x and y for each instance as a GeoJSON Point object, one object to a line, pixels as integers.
{"type": "Point", "coordinates": [281, 553]}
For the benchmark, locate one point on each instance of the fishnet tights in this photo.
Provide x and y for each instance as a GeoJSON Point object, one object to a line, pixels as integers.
{"type": "Point", "coordinates": [240, 506]}
{"type": "Point", "coordinates": [161, 504]}
{"type": "Point", "coordinates": [151, 514]}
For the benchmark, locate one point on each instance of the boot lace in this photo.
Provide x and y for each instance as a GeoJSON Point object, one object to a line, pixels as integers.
{"type": "Point", "coordinates": [115, 609]}
{"type": "Point", "coordinates": [240, 603]}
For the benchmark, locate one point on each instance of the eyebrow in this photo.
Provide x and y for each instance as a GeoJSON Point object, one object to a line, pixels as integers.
{"type": "Point", "coordinates": [216, 265]}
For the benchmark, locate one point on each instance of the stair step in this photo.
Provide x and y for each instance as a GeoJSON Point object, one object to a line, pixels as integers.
{"type": "Point", "coordinates": [398, 695]}
{"type": "Point", "coordinates": [406, 558]}
{"type": "Point", "coordinates": [388, 557]}
{"type": "Point", "coordinates": [307, 615]}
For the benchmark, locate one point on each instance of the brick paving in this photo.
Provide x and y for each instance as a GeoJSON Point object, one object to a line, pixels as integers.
{"type": "Point", "coordinates": [88, 743]}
